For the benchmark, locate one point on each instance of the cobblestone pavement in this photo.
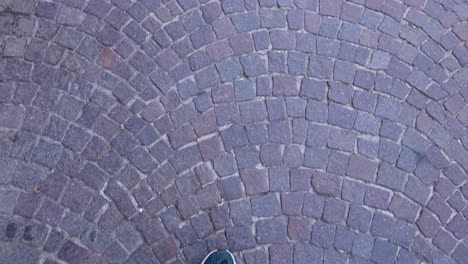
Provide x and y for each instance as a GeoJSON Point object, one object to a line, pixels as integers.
{"type": "Point", "coordinates": [288, 131]}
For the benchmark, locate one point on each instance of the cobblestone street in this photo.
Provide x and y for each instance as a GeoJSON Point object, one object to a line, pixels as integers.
{"type": "Point", "coordinates": [287, 131]}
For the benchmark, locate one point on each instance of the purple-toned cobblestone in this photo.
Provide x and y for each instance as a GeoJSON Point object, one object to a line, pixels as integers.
{"type": "Point", "coordinates": [287, 131]}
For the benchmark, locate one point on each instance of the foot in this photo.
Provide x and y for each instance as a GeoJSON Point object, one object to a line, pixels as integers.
{"type": "Point", "coordinates": [219, 257]}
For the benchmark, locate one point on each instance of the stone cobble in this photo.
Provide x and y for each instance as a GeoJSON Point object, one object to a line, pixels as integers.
{"type": "Point", "coordinates": [287, 131]}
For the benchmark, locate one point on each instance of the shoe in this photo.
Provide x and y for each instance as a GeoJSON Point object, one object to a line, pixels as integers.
{"type": "Point", "coordinates": [219, 257]}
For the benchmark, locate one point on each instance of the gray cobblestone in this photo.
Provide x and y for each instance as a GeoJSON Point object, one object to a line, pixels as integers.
{"type": "Point", "coordinates": [156, 131]}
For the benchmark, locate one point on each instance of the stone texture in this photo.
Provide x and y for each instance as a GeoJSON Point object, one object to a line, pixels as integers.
{"type": "Point", "coordinates": [287, 131]}
{"type": "Point", "coordinates": [362, 168]}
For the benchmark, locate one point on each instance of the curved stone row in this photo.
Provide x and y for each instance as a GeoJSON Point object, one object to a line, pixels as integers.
{"type": "Point", "coordinates": [285, 131]}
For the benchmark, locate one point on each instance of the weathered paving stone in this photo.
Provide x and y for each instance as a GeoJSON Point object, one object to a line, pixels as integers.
{"type": "Point", "coordinates": [343, 140]}
{"type": "Point", "coordinates": [26, 204]}
{"type": "Point", "coordinates": [240, 238]}
{"type": "Point", "coordinates": [9, 198]}
{"type": "Point", "coordinates": [301, 179]}
{"type": "Point", "coordinates": [76, 138]}
{"type": "Point", "coordinates": [337, 163]}
{"type": "Point", "coordinates": [391, 177]}
{"type": "Point", "coordinates": [326, 184]}
{"type": "Point", "coordinates": [53, 241]}
{"type": "Point", "coordinates": [276, 109]}
{"type": "Point", "coordinates": [341, 116]}
{"type": "Point", "coordinates": [231, 188]}
{"type": "Point", "coordinates": [382, 225]}
{"type": "Point", "coordinates": [383, 251]}
{"type": "Point", "coordinates": [266, 205]}
{"type": "Point", "coordinates": [12, 117]}
{"type": "Point", "coordinates": [20, 253]}
{"type": "Point", "coordinates": [299, 229]}
{"type": "Point", "coordinates": [403, 208]}
{"type": "Point", "coordinates": [278, 179]}
{"type": "Point", "coordinates": [353, 191]}
{"type": "Point", "coordinates": [292, 203]}
{"type": "Point", "coordinates": [72, 252]}
{"type": "Point", "coordinates": [234, 136]}
{"type": "Point", "coordinates": [186, 158]}
{"type": "Point", "coordinates": [362, 246]}
{"type": "Point", "coordinates": [255, 181]}
{"type": "Point", "coordinates": [270, 154]}
{"type": "Point", "coordinates": [225, 165]}
{"type": "Point", "coordinates": [77, 197]}
{"type": "Point", "coordinates": [359, 218]}
{"type": "Point", "coordinates": [271, 231]}
{"type": "Point", "coordinates": [73, 224]}
{"type": "Point", "coordinates": [303, 253]}
{"type": "Point", "coordinates": [165, 249]}
{"type": "Point", "coordinates": [316, 158]}
{"type": "Point", "coordinates": [334, 211]}
{"type": "Point", "coordinates": [362, 168]}
{"type": "Point", "coordinates": [115, 252]}
{"type": "Point", "coordinates": [47, 154]}
{"type": "Point", "coordinates": [196, 252]}
{"type": "Point", "coordinates": [27, 176]}
{"type": "Point", "coordinates": [321, 234]}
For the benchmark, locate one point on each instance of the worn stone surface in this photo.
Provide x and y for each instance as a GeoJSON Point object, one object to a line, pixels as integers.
{"type": "Point", "coordinates": [287, 131]}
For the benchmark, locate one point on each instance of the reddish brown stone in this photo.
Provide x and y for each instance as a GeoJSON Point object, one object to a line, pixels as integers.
{"type": "Point", "coordinates": [107, 58]}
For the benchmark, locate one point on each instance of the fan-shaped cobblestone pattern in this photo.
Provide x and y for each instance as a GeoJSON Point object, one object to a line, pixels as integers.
{"type": "Point", "coordinates": [288, 131]}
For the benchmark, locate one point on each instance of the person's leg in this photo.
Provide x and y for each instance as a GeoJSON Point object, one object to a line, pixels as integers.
{"type": "Point", "coordinates": [219, 257]}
